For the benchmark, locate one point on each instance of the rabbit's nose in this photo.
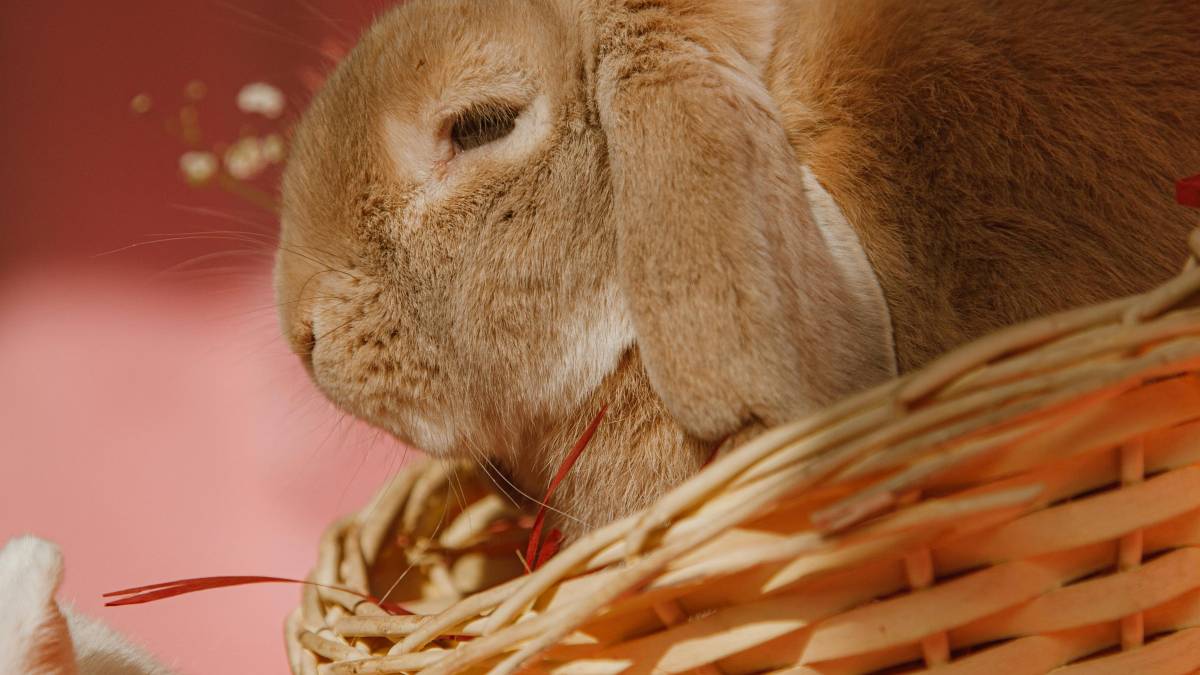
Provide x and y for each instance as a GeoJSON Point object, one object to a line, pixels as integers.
{"type": "Point", "coordinates": [297, 286]}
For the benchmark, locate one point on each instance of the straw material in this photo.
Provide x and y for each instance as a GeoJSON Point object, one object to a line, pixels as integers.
{"type": "Point", "coordinates": [1028, 503]}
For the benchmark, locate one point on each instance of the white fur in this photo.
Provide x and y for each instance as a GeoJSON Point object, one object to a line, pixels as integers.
{"type": "Point", "coordinates": [857, 272]}
{"type": "Point", "coordinates": [30, 572]}
{"type": "Point", "coordinates": [99, 650]}
{"type": "Point", "coordinates": [594, 341]}
{"type": "Point", "coordinates": [416, 150]}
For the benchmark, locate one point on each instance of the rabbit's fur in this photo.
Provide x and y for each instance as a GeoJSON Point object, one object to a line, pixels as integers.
{"type": "Point", "coordinates": [645, 235]}
{"type": "Point", "coordinates": [41, 636]}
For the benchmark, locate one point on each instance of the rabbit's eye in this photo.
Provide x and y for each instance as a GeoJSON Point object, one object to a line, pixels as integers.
{"type": "Point", "coordinates": [481, 126]}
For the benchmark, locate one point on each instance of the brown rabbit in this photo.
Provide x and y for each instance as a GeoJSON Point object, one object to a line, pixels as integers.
{"type": "Point", "coordinates": [500, 215]}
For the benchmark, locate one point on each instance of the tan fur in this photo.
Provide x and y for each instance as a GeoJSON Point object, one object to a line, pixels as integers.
{"type": "Point", "coordinates": [1002, 160]}
{"type": "Point", "coordinates": [643, 236]}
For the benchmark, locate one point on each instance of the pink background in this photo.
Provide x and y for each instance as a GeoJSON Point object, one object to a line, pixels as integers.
{"type": "Point", "coordinates": [151, 421]}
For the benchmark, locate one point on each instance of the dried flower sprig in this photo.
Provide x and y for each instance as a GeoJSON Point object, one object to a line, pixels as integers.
{"type": "Point", "coordinates": [232, 166]}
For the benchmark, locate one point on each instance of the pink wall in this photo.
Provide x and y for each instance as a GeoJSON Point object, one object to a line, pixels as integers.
{"type": "Point", "coordinates": [152, 422]}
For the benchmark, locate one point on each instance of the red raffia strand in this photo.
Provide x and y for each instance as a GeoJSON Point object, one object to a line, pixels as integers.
{"type": "Point", "coordinates": [549, 547]}
{"type": "Point", "coordinates": [169, 589]}
{"type": "Point", "coordinates": [712, 454]}
{"type": "Point", "coordinates": [1187, 191]}
{"type": "Point", "coordinates": [537, 552]}
{"type": "Point", "coordinates": [554, 539]}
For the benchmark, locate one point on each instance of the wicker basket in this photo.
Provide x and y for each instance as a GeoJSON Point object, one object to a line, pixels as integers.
{"type": "Point", "coordinates": [1028, 503]}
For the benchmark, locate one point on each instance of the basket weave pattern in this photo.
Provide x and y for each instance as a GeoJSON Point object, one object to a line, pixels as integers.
{"type": "Point", "coordinates": [1026, 504]}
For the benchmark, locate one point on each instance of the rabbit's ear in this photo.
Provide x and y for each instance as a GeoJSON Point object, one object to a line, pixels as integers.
{"type": "Point", "coordinates": [746, 308]}
{"type": "Point", "coordinates": [33, 633]}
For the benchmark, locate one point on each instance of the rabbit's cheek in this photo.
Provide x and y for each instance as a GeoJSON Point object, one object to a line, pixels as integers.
{"type": "Point", "coordinates": [594, 342]}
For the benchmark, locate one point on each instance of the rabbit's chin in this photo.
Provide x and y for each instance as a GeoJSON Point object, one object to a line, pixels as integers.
{"type": "Point", "coordinates": [436, 434]}
{"type": "Point", "coordinates": [637, 453]}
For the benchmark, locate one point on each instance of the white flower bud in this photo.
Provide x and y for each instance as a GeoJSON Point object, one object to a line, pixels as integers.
{"type": "Point", "coordinates": [273, 148]}
{"type": "Point", "coordinates": [244, 159]}
{"type": "Point", "coordinates": [198, 167]}
{"type": "Point", "coordinates": [261, 98]}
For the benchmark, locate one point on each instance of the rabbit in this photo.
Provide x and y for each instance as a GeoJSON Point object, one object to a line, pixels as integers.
{"type": "Point", "coordinates": [43, 636]}
{"type": "Point", "coordinates": [712, 217]}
